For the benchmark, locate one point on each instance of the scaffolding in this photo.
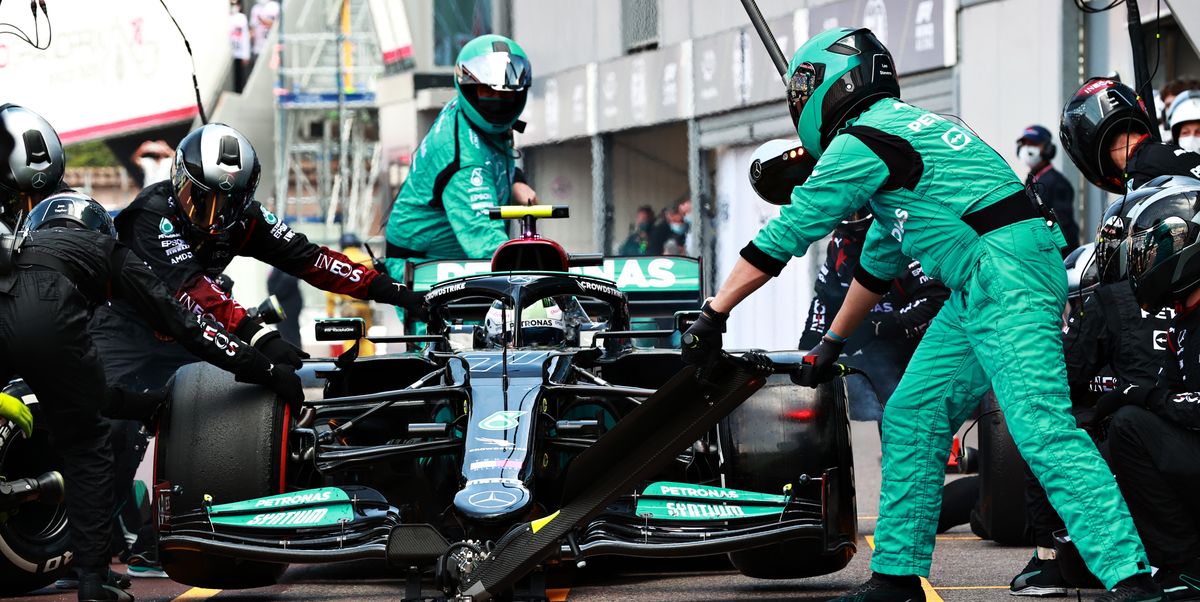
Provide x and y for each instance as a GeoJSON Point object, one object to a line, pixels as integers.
{"type": "Point", "coordinates": [326, 114]}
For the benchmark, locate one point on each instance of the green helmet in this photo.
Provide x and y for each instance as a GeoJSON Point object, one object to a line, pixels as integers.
{"type": "Point", "coordinates": [833, 78]}
{"type": "Point", "coordinates": [492, 76]}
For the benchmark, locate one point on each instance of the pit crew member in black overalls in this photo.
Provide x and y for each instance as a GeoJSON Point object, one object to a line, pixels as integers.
{"type": "Point", "coordinates": [69, 263]}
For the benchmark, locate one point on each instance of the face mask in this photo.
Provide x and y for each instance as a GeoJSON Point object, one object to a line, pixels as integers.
{"type": "Point", "coordinates": [1030, 155]}
{"type": "Point", "coordinates": [678, 228]}
{"type": "Point", "coordinates": [1191, 143]}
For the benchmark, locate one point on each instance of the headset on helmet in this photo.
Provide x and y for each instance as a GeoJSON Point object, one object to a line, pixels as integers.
{"type": "Point", "coordinates": [1161, 253]}
{"type": "Point", "coordinates": [1099, 110]}
{"type": "Point", "coordinates": [70, 209]}
{"type": "Point", "coordinates": [31, 159]}
{"type": "Point", "coordinates": [835, 76]}
{"type": "Point", "coordinates": [501, 66]}
{"type": "Point", "coordinates": [777, 167]}
{"type": "Point", "coordinates": [214, 177]}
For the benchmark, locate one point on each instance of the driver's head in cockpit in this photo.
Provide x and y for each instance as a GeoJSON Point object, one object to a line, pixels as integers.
{"type": "Point", "coordinates": [542, 325]}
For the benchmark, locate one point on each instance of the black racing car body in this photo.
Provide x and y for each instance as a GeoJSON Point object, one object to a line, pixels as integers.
{"type": "Point", "coordinates": [431, 457]}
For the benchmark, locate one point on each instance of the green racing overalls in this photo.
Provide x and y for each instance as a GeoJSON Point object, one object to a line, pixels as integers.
{"type": "Point", "coordinates": [944, 197]}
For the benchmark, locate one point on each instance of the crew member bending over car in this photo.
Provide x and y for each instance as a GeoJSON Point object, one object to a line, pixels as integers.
{"type": "Point", "coordinates": [941, 196]}
{"type": "Point", "coordinates": [69, 263]}
{"type": "Point", "coordinates": [465, 164]}
{"type": "Point", "coordinates": [190, 228]}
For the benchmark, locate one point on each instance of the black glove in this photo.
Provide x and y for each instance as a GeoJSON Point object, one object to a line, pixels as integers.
{"type": "Point", "coordinates": [123, 403]}
{"type": "Point", "coordinates": [384, 289]}
{"type": "Point", "coordinates": [1130, 395]}
{"type": "Point", "coordinates": [279, 351]}
{"type": "Point", "coordinates": [702, 341]}
{"type": "Point", "coordinates": [820, 365]}
{"type": "Point", "coordinates": [279, 378]}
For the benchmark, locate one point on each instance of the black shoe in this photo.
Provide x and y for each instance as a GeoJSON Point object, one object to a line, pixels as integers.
{"type": "Point", "coordinates": [1180, 584]}
{"type": "Point", "coordinates": [70, 580]}
{"type": "Point", "coordinates": [885, 588]}
{"type": "Point", "coordinates": [1039, 578]}
{"type": "Point", "coordinates": [94, 587]}
{"type": "Point", "coordinates": [1138, 588]}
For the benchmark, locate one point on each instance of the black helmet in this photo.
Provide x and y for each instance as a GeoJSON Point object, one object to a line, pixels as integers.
{"type": "Point", "coordinates": [1102, 108]}
{"type": "Point", "coordinates": [31, 159]}
{"type": "Point", "coordinates": [70, 209]}
{"type": "Point", "coordinates": [214, 177]}
{"type": "Point", "coordinates": [1161, 256]}
{"type": "Point", "coordinates": [1114, 226]}
{"type": "Point", "coordinates": [1082, 274]}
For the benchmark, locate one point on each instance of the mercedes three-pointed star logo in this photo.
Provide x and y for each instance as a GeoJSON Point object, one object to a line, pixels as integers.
{"type": "Point", "coordinates": [39, 180]}
{"type": "Point", "coordinates": [492, 499]}
{"type": "Point", "coordinates": [226, 182]}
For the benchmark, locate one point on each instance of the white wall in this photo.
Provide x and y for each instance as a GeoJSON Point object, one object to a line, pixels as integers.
{"type": "Point", "coordinates": [1009, 71]}
{"type": "Point", "coordinates": [562, 175]}
{"type": "Point", "coordinates": [773, 317]}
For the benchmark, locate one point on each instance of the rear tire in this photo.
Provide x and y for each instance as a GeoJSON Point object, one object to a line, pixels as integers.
{"type": "Point", "coordinates": [1000, 516]}
{"type": "Point", "coordinates": [765, 450]}
{"type": "Point", "coordinates": [36, 535]}
{"type": "Point", "coordinates": [221, 438]}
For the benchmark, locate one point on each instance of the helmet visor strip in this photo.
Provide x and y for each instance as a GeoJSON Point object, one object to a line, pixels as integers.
{"type": "Point", "coordinates": [1108, 247]}
{"type": "Point", "coordinates": [1159, 244]}
{"type": "Point", "coordinates": [501, 71]}
{"type": "Point", "coordinates": [203, 207]}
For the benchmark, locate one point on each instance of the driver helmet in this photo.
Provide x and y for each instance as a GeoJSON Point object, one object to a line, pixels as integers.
{"type": "Point", "coordinates": [492, 76]}
{"type": "Point", "coordinates": [1114, 226]}
{"type": "Point", "coordinates": [70, 209]}
{"type": "Point", "coordinates": [1161, 252]}
{"type": "Point", "coordinates": [542, 325]}
{"type": "Point", "coordinates": [1098, 111]}
{"type": "Point", "coordinates": [31, 160]}
{"type": "Point", "coordinates": [833, 78]}
{"type": "Point", "coordinates": [214, 177]}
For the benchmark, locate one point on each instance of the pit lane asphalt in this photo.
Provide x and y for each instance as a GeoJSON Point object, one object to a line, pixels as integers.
{"type": "Point", "coordinates": [965, 568]}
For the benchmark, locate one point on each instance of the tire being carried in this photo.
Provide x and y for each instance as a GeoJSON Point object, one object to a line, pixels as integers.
{"type": "Point", "coordinates": [34, 543]}
{"type": "Point", "coordinates": [224, 439]}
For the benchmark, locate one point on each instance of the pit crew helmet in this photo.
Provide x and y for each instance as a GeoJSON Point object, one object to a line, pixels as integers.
{"type": "Point", "coordinates": [836, 75]}
{"type": "Point", "coordinates": [214, 177]}
{"type": "Point", "coordinates": [1102, 108]}
{"type": "Point", "coordinates": [1162, 256]}
{"type": "Point", "coordinates": [542, 325]}
{"type": "Point", "coordinates": [70, 209]}
{"type": "Point", "coordinates": [31, 159]}
{"type": "Point", "coordinates": [498, 63]}
{"type": "Point", "coordinates": [1185, 108]}
{"type": "Point", "coordinates": [1082, 274]}
{"type": "Point", "coordinates": [1114, 228]}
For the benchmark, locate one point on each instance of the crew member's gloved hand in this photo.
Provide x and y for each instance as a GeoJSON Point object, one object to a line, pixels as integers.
{"type": "Point", "coordinates": [279, 351]}
{"type": "Point", "coordinates": [701, 344]}
{"type": "Point", "coordinates": [1129, 395]}
{"type": "Point", "coordinates": [384, 289]}
{"type": "Point", "coordinates": [17, 413]}
{"type": "Point", "coordinates": [279, 378]}
{"type": "Point", "coordinates": [820, 365]}
{"type": "Point", "coordinates": [123, 403]}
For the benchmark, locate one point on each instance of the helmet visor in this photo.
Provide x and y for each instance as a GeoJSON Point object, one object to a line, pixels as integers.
{"type": "Point", "coordinates": [801, 86]}
{"type": "Point", "coordinates": [1108, 247]}
{"type": "Point", "coordinates": [496, 70]}
{"type": "Point", "coordinates": [1159, 244]}
{"type": "Point", "coordinates": [210, 210]}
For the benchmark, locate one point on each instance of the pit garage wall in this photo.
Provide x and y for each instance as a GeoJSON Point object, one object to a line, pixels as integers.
{"type": "Point", "coordinates": [562, 175]}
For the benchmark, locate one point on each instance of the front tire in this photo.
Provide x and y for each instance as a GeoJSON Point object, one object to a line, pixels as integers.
{"type": "Point", "coordinates": [1000, 516]}
{"type": "Point", "coordinates": [221, 438]}
{"type": "Point", "coordinates": [34, 540]}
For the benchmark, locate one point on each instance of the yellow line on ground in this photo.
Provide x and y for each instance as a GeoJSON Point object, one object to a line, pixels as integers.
{"type": "Point", "coordinates": [931, 594]}
{"type": "Point", "coordinates": [197, 593]}
{"type": "Point", "coordinates": [557, 595]}
{"type": "Point", "coordinates": [864, 517]}
{"type": "Point", "coordinates": [870, 541]}
{"type": "Point", "coordinates": [958, 538]}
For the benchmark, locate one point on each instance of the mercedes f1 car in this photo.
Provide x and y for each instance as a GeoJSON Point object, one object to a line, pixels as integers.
{"type": "Point", "coordinates": [532, 427]}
